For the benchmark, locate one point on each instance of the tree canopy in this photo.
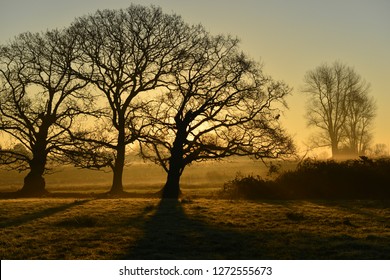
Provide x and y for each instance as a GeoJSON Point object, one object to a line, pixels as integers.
{"type": "Point", "coordinates": [218, 104]}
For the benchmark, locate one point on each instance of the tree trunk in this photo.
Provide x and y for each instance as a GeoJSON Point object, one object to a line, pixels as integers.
{"type": "Point", "coordinates": [334, 145]}
{"type": "Point", "coordinates": [34, 183]}
{"type": "Point", "coordinates": [335, 152]}
{"type": "Point", "coordinates": [117, 185]}
{"type": "Point", "coordinates": [176, 162]}
{"type": "Point", "coordinates": [176, 165]}
{"type": "Point", "coordinates": [172, 186]}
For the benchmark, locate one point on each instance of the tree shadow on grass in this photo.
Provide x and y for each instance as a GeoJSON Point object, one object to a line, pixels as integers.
{"type": "Point", "coordinates": [371, 209]}
{"type": "Point", "coordinates": [39, 214]}
{"type": "Point", "coordinates": [171, 234]}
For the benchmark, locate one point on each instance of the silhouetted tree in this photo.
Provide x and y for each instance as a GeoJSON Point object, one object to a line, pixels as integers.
{"type": "Point", "coordinates": [360, 115]}
{"type": "Point", "coordinates": [218, 104]}
{"type": "Point", "coordinates": [38, 103]}
{"type": "Point", "coordinates": [379, 150]}
{"type": "Point", "coordinates": [125, 53]}
{"type": "Point", "coordinates": [339, 106]}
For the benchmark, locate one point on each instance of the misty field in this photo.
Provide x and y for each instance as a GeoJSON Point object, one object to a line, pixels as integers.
{"type": "Point", "coordinates": [193, 228]}
{"type": "Point", "coordinates": [138, 177]}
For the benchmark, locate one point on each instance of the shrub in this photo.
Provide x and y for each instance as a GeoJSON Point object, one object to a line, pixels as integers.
{"type": "Point", "coordinates": [249, 187]}
{"type": "Point", "coordinates": [352, 179]}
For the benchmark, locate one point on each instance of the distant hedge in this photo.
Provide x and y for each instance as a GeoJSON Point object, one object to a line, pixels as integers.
{"type": "Point", "coordinates": [353, 179]}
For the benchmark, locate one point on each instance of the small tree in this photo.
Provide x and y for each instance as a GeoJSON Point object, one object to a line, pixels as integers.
{"type": "Point", "coordinates": [379, 150]}
{"type": "Point", "coordinates": [339, 106]}
{"type": "Point", "coordinates": [125, 53]}
{"type": "Point", "coordinates": [39, 101]}
{"type": "Point", "coordinates": [219, 104]}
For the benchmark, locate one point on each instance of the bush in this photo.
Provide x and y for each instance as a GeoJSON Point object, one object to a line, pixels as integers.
{"type": "Point", "coordinates": [352, 179]}
{"type": "Point", "coordinates": [249, 187]}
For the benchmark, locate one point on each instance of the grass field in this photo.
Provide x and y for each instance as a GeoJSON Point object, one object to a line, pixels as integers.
{"type": "Point", "coordinates": [78, 223]}
{"type": "Point", "coordinates": [194, 228]}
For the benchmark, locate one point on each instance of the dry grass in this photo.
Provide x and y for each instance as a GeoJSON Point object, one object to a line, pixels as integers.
{"type": "Point", "coordinates": [145, 228]}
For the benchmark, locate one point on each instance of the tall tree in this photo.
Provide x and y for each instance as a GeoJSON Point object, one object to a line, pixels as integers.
{"type": "Point", "coordinates": [360, 114]}
{"type": "Point", "coordinates": [337, 96]}
{"type": "Point", "coordinates": [218, 104]}
{"type": "Point", "coordinates": [39, 101]}
{"type": "Point", "coordinates": [126, 52]}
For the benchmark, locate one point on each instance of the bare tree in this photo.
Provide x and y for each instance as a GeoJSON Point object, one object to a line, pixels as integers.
{"type": "Point", "coordinates": [219, 104]}
{"type": "Point", "coordinates": [379, 150]}
{"type": "Point", "coordinates": [126, 52]}
{"type": "Point", "coordinates": [339, 106]}
{"type": "Point", "coordinates": [360, 114]}
{"type": "Point", "coordinates": [39, 101]}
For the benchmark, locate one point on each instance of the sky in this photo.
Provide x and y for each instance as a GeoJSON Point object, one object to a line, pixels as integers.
{"type": "Point", "coordinates": [288, 37]}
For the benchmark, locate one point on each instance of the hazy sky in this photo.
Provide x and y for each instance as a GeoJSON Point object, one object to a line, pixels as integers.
{"type": "Point", "coordinates": [289, 37]}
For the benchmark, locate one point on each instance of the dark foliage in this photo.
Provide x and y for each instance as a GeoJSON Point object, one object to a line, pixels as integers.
{"type": "Point", "coordinates": [352, 179]}
{"type": "Point", "coordinates": [250, 187]}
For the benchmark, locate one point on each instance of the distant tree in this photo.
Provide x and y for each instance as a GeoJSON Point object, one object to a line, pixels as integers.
{"type": "Point", "coordinates": [125, 53]}
{"type": "Point", "coordinates": [379, 150]}
{"type": "Point", "coordinates": [218, 104]}
{"type": "Point", "coordinates": [38, 104]}
{"type": "Point", "coordinates": [14, 158]}
{"type": "Point", "coordinates": [358, 124]}
{"type": "Point", "coordinates": [340, 107]}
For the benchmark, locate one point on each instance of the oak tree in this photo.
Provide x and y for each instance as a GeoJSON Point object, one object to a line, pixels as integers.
{"type": "Point", "coordinates": [218, 104]}
{"type": "Point", "coordinates": [39, 102]}
{"type": "Point", "coordinates": [126, 53]}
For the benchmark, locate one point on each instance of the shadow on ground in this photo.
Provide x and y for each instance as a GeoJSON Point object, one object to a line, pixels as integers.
{"type": "Point", "coordinates": [79, 195]}
{"type": "Point", "coordinates": [171, 234]}
{"type": "Point", "coordinates": [39, 214]}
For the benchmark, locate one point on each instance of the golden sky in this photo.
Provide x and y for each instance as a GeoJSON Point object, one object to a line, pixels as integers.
{"type": "Point", "coordinates": [289, 37]}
